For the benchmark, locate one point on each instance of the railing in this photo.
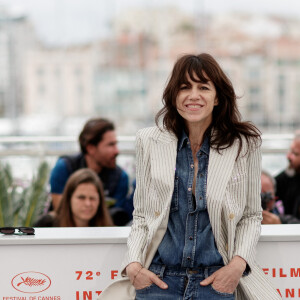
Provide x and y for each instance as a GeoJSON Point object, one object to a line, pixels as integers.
{"type": "Point", "coordinates": [276, 143]}
{"type": "Point", "coordinates": [52, 145]}
{"type": "Point", "coordinates": [58, 145]}
{"type": "Point", "coordinates": [24, 153]}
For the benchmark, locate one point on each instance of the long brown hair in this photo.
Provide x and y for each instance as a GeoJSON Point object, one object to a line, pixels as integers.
{"type": "Point", "coordinates": [65, 215]}
{"type": "Point", "coordinates": [226, 121]}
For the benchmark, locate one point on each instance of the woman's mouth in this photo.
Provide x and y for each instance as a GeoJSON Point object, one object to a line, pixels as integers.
{"type": "Point", "coordinates": [193, 106]}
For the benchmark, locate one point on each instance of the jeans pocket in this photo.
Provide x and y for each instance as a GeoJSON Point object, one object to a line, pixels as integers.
{"type": "Point", "coordinates": [225, 295]}
{"type": "Point", "coordinates": [145, 289]}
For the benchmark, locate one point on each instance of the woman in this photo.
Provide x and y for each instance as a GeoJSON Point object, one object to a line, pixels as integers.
{"type": "Point", "coordinates": [82, 205]}
{"type": "Point", "coordinates": [197, 212]}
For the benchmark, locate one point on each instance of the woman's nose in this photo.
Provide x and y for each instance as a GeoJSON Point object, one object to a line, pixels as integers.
{"type": "Point", "coordinates": [194, 94]}
{"type": "Point", "coordinates": [87, 202]}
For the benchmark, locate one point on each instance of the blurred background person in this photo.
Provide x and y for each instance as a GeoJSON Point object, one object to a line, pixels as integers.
{"type": "Point", "coordinates": [273, 211]}
{"type": "Point", "coordinates": [288, 181]}
{"type": "Point", "coordinates": [82, 204]}
{"type": "Point", "coordinates": [99, 151]}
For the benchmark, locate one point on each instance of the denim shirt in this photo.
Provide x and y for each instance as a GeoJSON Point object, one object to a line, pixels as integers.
{"type": "Point", "coordinates": [189, 240]}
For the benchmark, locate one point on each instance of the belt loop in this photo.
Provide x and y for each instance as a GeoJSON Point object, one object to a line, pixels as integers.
{"type": "Point", "coordinates": [162, 270]}
{"type": "Point", "coordinates": [205, 272]}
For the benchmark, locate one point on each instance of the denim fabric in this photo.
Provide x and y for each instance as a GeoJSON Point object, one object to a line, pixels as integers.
{"type": "Point", "coordinates": [183, 284]}
{"type": "Point", "coordinates": [189, 233]}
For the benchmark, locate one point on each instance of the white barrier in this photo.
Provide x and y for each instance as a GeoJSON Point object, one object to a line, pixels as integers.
{"type": "Point", "coordinates": [78, 263]}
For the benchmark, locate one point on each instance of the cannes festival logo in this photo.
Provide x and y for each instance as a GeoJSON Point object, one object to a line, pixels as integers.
{"type": "Point", "coordinates": [31, 282]}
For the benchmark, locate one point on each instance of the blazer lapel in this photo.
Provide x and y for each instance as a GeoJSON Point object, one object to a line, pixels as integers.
{"type": "Point", "coordinates": [220, 168]}
{"type": "Point", "coordinates": [163, 150]}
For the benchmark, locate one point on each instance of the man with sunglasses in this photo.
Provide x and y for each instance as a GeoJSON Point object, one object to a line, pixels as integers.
{"type": "Point", "coordinates": [99, 151]}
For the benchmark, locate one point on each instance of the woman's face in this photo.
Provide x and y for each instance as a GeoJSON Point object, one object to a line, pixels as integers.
{"type": "Point", "coordinates": [195, 102]}
{"type": "Point", "coordinates": [84, 203]}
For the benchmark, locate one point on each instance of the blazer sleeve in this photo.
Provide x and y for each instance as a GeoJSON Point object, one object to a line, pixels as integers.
{"type": "Point", "coordinates": [139, 230]}
{"type": "Point", "coordinates": [249, 227]}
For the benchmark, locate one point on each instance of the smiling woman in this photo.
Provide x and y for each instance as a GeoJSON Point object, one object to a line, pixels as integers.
{"type": "Point", "coordinates": [198, 193]}
{"type": "Point", "coordinates": [82, 205]}
{"type": "Point", "coordinates": [196, 100]}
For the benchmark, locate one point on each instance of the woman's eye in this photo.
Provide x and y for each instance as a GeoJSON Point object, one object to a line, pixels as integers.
{"type": "Point", "coordinates": [183, 87]}
{"type": "Point", "coordinates": [204, 88]}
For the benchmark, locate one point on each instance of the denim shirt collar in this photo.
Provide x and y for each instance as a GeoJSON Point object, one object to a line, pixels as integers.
{"type": "Point", "coordinates": [183, 140]}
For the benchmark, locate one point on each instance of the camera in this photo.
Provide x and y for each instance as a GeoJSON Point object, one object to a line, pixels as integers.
{"type": "Point", "coordinates": [265, 199]}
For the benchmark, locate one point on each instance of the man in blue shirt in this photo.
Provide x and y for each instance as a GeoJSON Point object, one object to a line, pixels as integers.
{"type": "Point", "coordinates": [98, 143]}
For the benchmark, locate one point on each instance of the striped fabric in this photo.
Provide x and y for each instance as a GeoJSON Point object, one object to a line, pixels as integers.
{"type": "Point", "coordinates": [233, 203]}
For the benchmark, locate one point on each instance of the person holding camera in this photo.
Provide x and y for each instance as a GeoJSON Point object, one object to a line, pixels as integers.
{"type": "Point", "coordinates": [273, 211]}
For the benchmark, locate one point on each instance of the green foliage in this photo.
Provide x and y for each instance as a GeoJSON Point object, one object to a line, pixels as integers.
{"type": "Point", "coordinates": [22, 205]}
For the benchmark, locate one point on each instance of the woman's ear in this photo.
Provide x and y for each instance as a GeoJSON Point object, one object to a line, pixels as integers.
{"type": "Point", "coordinates": [216, 102]}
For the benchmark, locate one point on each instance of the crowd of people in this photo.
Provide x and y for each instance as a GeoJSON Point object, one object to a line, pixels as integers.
{"type": "Point", "coordinates": [280, 195]}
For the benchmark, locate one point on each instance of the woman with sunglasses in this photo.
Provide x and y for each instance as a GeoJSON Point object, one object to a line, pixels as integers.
{"type": "Point", "coordinates": [82, 205]}
{"type": "Point", "coordinates": [197, 208]}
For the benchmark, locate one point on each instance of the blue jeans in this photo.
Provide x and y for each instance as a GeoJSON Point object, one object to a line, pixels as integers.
{"type": "Point", "coordinates": [183, 284]}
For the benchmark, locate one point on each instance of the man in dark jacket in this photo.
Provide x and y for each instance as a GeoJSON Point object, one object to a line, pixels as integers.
{"type": "Point", "coordinates": [288, 181]}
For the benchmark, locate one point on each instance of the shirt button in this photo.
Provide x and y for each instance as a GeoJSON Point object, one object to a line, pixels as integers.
{"type": "Point", "coordinates": [192, 166]}
{"type": "Point", "coordinates": [189, 189]}
{"type": "Point", "coordinates": [231, 216]}
{"type": "Point", "coordinates": [201, 175]}
{"type": "Point", "coordinates": [190, 238]}
{"type": "Point", "coordinates": [157, 213]}
{"type": "Point", "coordinates": [188, 258]}
{"type": "Point", "coordinates": [200, 198]}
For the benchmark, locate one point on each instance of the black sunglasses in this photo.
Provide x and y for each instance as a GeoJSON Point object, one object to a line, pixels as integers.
{"type": "Point", "coordinates": [12, 230]}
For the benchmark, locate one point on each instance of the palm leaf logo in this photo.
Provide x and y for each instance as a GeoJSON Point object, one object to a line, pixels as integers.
{"type": "Point", "coordinates": [31, 281]}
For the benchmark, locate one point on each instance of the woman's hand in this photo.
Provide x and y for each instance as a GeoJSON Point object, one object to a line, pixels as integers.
{"type": "Point", "coordinates": [142, 278]}
{"type": "Point", "coordinates": [226, 279]}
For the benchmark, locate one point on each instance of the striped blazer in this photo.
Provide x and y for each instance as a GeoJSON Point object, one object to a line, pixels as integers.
{"type": "Point", "coordinates": [233, 203]}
